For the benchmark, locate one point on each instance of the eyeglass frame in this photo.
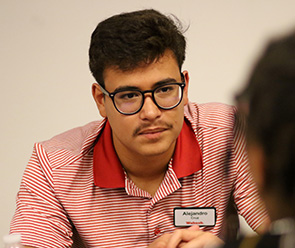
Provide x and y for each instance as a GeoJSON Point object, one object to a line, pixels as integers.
{"type": "Point", "coordinates": [112, 95]}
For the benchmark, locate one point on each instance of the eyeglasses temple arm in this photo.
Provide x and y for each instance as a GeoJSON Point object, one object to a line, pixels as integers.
{"type": "Point", "coordinates": [104, 90]}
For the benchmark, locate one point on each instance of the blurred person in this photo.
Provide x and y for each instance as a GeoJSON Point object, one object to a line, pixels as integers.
{"type": "Point", "coordinates": [268, 103]}
{"type": "Point", "coordinates": [154, 169]}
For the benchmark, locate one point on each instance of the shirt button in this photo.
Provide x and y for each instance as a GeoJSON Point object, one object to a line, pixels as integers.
{"type": "Point", "coordinates": [157, 231]}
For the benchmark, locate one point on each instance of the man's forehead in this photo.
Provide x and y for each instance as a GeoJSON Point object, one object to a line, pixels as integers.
{"type": "Point", "coordinates": [152, 74]}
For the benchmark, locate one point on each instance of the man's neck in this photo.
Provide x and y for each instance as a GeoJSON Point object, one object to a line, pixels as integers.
{"type": "Point", "coordinates": [147, 173]}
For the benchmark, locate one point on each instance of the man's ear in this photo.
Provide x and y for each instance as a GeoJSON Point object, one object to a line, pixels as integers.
{"type": "Point", "coordinates": [99, 99]}
{"type": "Point", "coordinates": [185, 91]}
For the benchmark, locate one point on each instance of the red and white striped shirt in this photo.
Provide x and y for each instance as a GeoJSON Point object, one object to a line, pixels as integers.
{"type": "Point", "coordinates": [75, 192]}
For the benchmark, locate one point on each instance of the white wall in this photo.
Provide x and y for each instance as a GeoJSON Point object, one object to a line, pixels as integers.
{"type": "Point", "coordinates": [45, 81]}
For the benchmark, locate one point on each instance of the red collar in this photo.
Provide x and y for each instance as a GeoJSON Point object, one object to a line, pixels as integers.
{"type": "Point", "coordinates": [108, 171]}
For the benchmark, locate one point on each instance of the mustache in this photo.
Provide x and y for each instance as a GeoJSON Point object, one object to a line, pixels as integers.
{"type": "Point", "coordinates": [142, 127]}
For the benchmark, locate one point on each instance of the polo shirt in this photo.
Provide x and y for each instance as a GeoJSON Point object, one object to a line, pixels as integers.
{"type": "Point", "coordinates": [75, 193]}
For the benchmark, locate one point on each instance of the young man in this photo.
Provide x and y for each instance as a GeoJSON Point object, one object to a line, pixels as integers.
{"type": "Point", "coordinates": [155, 164]}
{"type": "Point", "coordinates": [268, 102]}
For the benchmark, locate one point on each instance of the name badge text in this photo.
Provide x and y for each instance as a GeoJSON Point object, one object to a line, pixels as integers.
{"type": "Point", "coordinates": [194, 216]}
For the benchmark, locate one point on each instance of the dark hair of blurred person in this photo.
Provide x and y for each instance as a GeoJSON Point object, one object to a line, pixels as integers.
{"type": "Point", "coordinates": [268, 103]}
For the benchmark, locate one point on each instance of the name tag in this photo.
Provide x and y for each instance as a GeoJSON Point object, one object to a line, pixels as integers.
{"type": "Point", "coordinates": [194, 216]}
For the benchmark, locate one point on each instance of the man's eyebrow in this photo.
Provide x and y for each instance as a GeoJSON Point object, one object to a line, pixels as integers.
{"type": "Point", "coordinates": [159, 83]}
{"type": "Point", "coordinates": [126, 87]}
{"type": "Point", "coordinates": [164, 81]}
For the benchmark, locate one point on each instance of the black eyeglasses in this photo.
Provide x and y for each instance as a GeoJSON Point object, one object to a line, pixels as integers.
{"type": "Point", "coordinates": [129, 102]}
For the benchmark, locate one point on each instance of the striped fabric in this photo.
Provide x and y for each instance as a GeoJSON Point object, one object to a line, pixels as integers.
{"type": "Point", "coordinates": [58, 201]}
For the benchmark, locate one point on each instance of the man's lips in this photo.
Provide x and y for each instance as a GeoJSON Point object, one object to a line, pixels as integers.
{"type": "Point", "coordinates": [151, 131]}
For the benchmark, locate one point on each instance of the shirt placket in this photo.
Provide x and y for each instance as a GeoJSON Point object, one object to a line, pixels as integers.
{"type": "Point", "coordinates": [153, 215]}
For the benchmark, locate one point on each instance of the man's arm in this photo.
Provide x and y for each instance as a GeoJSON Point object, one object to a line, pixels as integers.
{"type": "Point", "coordinates": [38, 210]}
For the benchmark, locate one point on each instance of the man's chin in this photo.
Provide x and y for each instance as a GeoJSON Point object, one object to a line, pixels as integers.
{"type": "Point", "coordinates": [156, 149]}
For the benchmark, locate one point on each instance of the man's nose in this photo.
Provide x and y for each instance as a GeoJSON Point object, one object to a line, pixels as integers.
{"type": "Point", "coordinates": [149, 109]}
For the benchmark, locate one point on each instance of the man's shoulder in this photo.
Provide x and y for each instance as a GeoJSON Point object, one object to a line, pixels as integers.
{"type": "Point", "coordinates": [76, 140]}
{"type": "Point", "coordinates": [211, 114]}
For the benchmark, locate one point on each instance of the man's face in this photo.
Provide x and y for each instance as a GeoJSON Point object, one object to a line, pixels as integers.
{"type": "Point", "coordinates": [151, 131]}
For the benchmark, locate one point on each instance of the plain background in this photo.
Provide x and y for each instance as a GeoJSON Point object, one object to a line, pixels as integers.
{"type": "Point", "coordinates": [46, 83]}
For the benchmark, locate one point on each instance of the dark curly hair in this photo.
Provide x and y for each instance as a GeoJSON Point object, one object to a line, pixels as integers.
{"type": "Point", "coordinates": [270, 94]}
{"type": "Point", "coordinates": [129, 40]}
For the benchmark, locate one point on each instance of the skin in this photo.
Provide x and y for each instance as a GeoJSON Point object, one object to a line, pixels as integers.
{"type": "Point", "coordinates": [192, 237]}
{"type": "Point", "coordinates": [145, 141]}
{"type": "Point", "coordinates": [257, 161]}
{"type": "Point", "coordinates": [273, 200]}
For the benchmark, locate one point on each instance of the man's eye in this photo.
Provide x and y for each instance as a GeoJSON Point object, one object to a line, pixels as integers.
{"type": "Point", "coordinates": [165, 89]}
{"type": "Point", "coordinates": [129, 95]}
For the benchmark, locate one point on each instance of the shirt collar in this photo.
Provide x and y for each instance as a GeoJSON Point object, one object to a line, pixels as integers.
{"type": "Point", "coordinates": [109, 173]}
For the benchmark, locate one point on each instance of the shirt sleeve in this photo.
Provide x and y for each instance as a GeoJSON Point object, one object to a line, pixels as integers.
{"type": "Point", "coordinates": [246, 196]}
{"type": "Point", "coordinates": [39, 216]}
